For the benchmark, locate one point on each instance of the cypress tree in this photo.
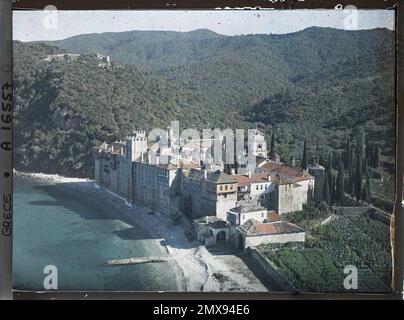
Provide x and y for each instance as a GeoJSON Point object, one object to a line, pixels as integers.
{"type": "Point", "coordinates": [340, 189]}
{"type": "Point", "coordinates": [365, 193]}
{"type": "Point", "coordinates": [351, 158]}
{"type": "Point", "coordinates": [352, 184]}
{"type": "Point", "coordinates": [329, 173]}
{"type": "Point", "coordinates": [316, 152]}
{"type": "Point", "coordinates": [304, 159]}
{"type": "Point", "coordinates": [365, 167]}
{"type": "Point", "coordinates": [321, 160]}
{"type": "Point", "coordinates": [360, 152]}
{"type": "Point", "coordinates": [358, 179]}
{"type": "Point", "coordinates": [376, 157]}
{"type": "Point", "coordinates": [368, 154]}
{"type": "Point", "coordinates": [350, 180]}
{"type": "Point", "coordinates": [326, 192]}
{"type": "Point", "coordinates": [368, 186]}
{"type": "Point", "coordinates": [330, 161]}
{"type": "Point", "coordinates": [360, 141]}
{"type": "Point", "coordinates": [333, 189]}
{"type": "Point", "coordinates": [272, 150]}
{"type": "Point", "coordinates": [348, 159]}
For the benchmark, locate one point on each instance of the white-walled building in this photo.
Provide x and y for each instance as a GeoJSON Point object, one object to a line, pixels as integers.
{"type": "Point", "coordinates": [294, 186]}
{"type": "Point", "coordinates": [253, 233]}
{"type": "Point", "coordinates": [241, 214]}
{"type": "Point", "coordinates": [255, 188]}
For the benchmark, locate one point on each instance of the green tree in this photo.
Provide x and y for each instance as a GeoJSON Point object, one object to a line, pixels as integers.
{"type": "Point", "coordinates": [376, 157]}
{"type": "Point", "coordinates": [365, 193]}
{"type": "Point", "coordinates": [348, 159]}
{"type": "Point", "coordinates": [272, 150]}
{"type": "Point", "coordinates": [326, 192]}
{"type": "Point", "coordinates": [304, 158]}
{"type": "Point", "coordinates": [340, 188]}
{"type": "Point", "coordinates": [358, 179]}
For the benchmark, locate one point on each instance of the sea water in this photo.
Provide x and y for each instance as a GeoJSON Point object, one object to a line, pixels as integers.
{"type": "Point", "coordinates": [57, 225]}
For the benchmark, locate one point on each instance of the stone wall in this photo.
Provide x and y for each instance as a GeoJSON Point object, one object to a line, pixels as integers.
{"type": "Point", "coordinates": [318, 175]}
{"type": "Point", "coordinates": [285, 198]}
{"type": "Point", "coordinates": [280, 281]}
{"type": "Point", "coordinates": [154, 187]}
{"type": "Point", "coordinates": [198, 201]}
{"type": "Point", "coordinates": [254, 241]}
{"type": "Point", "coordinates": [97, 176]}
{"type": "Point", "coordinates": [292, 197]}
{"type": "Point", "coordinates": [122, 171]}
{"type": "Point", "coordinates": [350, 211]}
{"type": "Point", "coordinates": [224, 203]}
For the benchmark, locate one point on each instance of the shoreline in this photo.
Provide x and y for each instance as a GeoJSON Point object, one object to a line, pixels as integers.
{"type": "Point", "coordinates": [195, 268]}
{"type": "Point", "coordinates": [50, 178]}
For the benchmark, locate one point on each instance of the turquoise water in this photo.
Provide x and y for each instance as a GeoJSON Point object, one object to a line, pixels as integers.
{"type": "Point", "coordinates": [77, 230]}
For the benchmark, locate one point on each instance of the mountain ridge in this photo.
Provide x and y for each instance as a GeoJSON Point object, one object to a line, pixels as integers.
{"type": "Point", "coordinates": [316, 84]}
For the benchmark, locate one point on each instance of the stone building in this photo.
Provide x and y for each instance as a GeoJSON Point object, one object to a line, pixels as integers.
{"type": "Point", "coordinates": [257, 188]}
{"type": "Point", "coordinates": [253, 233]}
{"type": "Point", "coordinates": [294, 186]}
{"type": "Point", "coordinates": [211, 230]}
{"type": "Point", "coordinates": [111, 167]}
{"type": "Point", "coordinates": [156, 186]}
{"type": "Point", "coordinates": [318, 172]}
{"type": "Point", "coordinates": [241, 214]}
{"type": "Point", "coordinates": [135, 171]}
{"type": "Point", "coordinates": [208, 193]}
{"type": "Point", "coordinates": [258, 144]}
{"type": "Point", "coordinates": [106, 60]}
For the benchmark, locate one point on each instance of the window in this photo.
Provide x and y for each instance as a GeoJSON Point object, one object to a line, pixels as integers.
{"type": "Point", "coordinates": [261, 186]}
{"type": "Point", "coordinates": [256, 187]}
{"type": "Point", "coordinates": [226, 187]}
{"type": "Point", "coordinates": [221, 188]}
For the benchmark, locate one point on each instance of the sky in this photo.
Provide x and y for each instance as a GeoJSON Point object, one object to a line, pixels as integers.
{"type": "Point", "coordinates": [55, 25]}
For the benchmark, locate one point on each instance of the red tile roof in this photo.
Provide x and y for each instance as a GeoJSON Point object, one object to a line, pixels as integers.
{"type": "Point", "coordinates": [253, 227]}
{"type": "Point", "coordinates": [281, 168]}
{"type": "Point", "coordinates": [286, 173]}
{"type": "Point", "coordinates": [243, 180]}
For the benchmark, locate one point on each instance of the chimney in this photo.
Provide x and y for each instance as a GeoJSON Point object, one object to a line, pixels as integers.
{"type": "Point", "coordinates": [233, 171]}
{"type": "Point", "coordinates": [205, 174]}
{"type": "Point", "coordinates": [249, 174]}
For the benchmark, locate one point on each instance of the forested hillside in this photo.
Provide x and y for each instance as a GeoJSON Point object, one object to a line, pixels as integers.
{"type": "Point", "coordinates": [316, 85]}
{"type": "Point", "coordinates": [63, 108]}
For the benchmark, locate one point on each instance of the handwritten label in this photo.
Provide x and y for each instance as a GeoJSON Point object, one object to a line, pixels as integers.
{"type": "Point", "coordinates": [6, 119]}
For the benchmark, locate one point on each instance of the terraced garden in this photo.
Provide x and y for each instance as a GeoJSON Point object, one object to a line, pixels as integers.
{"type": "Point", "coordinates": [318, 264]}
